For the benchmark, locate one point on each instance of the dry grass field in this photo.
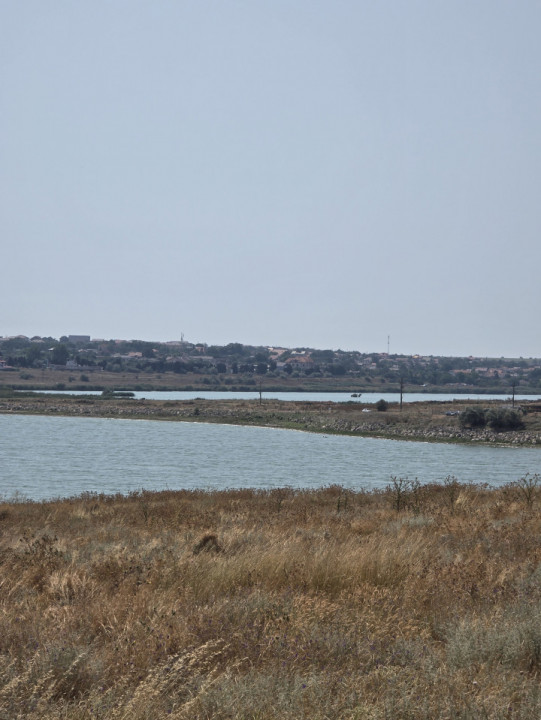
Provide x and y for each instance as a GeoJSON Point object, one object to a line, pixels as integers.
{"type": "Point", "coordinates": [413, 603]}
{"type": "Point", "coordinates": [129, 379]}
{"type": "Point", "coordinates": [52, 378]}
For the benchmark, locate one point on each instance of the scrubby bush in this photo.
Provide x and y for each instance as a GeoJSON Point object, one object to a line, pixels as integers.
{"type": "Point", "coordinates": [505, 419]}
{"type": "Point", "coordinates": [473, 417]}
{"type": "Point", "coordinates": [528, 487]}
{"type": "Point", "coordinates": [382, 405]}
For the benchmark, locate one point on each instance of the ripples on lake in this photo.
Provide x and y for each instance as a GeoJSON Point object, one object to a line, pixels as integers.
{"type": "Point", "coordinates": [45, 457]}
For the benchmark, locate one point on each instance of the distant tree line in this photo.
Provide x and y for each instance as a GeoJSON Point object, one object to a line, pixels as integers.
{"type": "Point", "coordinates": [219, 363]}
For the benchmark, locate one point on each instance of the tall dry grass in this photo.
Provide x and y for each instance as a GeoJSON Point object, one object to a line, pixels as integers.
{"type": "Point", "coordinates": [307, 604]}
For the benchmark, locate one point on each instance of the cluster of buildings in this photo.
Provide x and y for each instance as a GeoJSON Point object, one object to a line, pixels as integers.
{"type": "Point", "coordinates": [82, 352]}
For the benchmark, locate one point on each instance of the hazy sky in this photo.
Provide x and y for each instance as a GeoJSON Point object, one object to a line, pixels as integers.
{"type": "Point", "coordinates": [296, 173]}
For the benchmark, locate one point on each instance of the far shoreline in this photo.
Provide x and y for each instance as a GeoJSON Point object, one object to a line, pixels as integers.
{"type": "Point", "coordinates": [431, 421]}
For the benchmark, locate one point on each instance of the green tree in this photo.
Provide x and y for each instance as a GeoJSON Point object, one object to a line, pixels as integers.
{"type": "Point", "coordinates": [34, 354]}
{"type": "Point", "coordinates": [337, 369]}
{"type": "Point", "coordinates": [60, 355]}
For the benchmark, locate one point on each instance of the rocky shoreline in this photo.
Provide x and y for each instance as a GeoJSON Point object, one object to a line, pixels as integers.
{"type": "Point", "coordinates": [427, 422]}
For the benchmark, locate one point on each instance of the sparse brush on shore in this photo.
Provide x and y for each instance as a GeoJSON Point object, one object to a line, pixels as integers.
{"type": "Point", "coordinates": [415, 602]}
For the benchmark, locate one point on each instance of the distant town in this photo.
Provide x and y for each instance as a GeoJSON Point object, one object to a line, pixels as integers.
{"type": "Point", "coordinates": [79, 361]}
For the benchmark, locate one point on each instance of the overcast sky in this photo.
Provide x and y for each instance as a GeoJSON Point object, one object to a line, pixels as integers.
{"type": "Point", "coordinates": [294, 173]}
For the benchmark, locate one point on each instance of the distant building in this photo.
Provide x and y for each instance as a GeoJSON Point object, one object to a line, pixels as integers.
{"type": "Point", "coordinates": [79, 339]}
{"type": "Point", "coordinates": [301, 362]}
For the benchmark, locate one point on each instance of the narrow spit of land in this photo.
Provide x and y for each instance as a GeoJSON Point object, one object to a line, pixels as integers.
{"type": "Point", "coordinates": [426, 421]}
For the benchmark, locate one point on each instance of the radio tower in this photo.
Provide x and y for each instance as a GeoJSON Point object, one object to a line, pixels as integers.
{"type": "Point", "coordinates": [388, 342]}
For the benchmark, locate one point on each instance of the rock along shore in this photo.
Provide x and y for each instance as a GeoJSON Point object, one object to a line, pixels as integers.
{"type": "Point", "coordinates": [428, 421]}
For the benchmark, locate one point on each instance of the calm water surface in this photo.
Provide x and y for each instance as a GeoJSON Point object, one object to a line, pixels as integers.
{"type": "Point", "coordinates": [366, 398]}
{"type": "Point", "coordinates": [43, 457]}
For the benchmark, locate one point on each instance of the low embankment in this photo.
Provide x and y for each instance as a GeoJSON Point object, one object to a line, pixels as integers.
{"type": "Point", "coordinates": [428, 421]}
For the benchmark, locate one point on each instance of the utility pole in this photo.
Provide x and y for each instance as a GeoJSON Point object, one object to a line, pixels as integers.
{"type": "Point", "coordinates": [401, 392]}
{"type": "Point", "coordinates": [514, 385]}
{"type": "Point", "coordinates": [388, 343]}
{"type": "Point", "coordinates": [260, 400]}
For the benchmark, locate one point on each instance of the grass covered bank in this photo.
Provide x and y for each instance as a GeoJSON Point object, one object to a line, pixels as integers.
{"type": "Point", "coordinates": [417, 602]}
{"type": "Point", "coordinates": [59, 378]}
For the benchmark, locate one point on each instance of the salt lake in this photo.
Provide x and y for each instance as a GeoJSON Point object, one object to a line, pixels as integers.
{"type": "Point", "coordinates": [47, 457]}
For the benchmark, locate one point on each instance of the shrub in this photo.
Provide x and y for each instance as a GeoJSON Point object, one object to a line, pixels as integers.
{"type": "Point", "coordinates": [505, 419]}
{"type": "Point", "coordinates": [401, 490]}
{"type": "Point", "coordinates": [473, 418]}
{"type": "Point", "coordinates": [528, 486]}
{"type": "Point", "coordinates": [382, 405]}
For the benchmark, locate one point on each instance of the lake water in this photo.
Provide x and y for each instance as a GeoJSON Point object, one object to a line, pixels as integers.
{"type": "Point", "coordinates": [44, 457]}
{"type": "Point", "coordinates": [366, 398]}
